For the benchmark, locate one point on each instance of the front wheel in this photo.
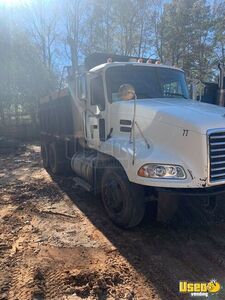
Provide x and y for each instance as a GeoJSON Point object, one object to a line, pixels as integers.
{"type": "Point", "coordinates": [123, 201]}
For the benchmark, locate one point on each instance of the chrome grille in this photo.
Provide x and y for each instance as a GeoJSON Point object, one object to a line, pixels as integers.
{"type": "Point", "coordinates": [217, 155]}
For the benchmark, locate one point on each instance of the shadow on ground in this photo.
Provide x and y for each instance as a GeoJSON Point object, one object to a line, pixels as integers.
{"type": "Point", "coordinates": [190, 248]}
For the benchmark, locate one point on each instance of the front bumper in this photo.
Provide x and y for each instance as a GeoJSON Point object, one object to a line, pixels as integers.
{"type": "Point", "coordinates": [207, 191]}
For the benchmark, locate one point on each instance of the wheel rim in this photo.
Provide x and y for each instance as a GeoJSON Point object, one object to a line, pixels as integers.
{"type": "Point", "coordinates": [113, 196]}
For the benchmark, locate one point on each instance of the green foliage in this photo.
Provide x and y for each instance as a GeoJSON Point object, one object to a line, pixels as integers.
{"type": "Point", "coordinates": [187, 31]}
{"type": "Point", "coordinates": [188, 34]}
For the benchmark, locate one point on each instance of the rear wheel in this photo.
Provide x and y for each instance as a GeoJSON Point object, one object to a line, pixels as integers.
{"type": "Point", "coordinates": [45, 155]}
{"type": "Point", "coordinates": [57, 161]}
{"type": "Point", "coordinates": [123, 201]}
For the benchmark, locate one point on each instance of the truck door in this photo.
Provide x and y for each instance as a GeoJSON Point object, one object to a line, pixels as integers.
{"type": "Point", "coordinates": [95, 124]}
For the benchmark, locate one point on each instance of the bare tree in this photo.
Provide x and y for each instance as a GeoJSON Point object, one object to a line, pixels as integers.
{"type": "Point", "coordinates": [73, 20]}
{"type": "Point", "coordinates": [43, 27]}
{"type": "Point", "coordinates": [218, 10]}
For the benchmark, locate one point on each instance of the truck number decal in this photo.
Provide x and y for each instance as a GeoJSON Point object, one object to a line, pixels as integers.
{"type": "Point", "coordinates": [185, 132]}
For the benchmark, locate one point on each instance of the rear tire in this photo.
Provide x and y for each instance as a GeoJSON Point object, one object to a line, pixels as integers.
{"type": "Point", "coordinates": [123, 201]}
{"type": "Point", "coordinates": [57, 160]}
{"type": "Point", "coordinates": [45, 155]}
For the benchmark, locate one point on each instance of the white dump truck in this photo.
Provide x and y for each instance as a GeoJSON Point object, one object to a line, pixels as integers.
{"type": "Point", "coordinates": [130, 151]}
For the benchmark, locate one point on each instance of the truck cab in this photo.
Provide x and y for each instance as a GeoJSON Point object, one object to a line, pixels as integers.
{"type": "Point", "coordinates": [130, 150]}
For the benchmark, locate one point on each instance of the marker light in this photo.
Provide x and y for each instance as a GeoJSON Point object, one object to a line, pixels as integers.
{"type": "Point", "coordinates": [162, 171]}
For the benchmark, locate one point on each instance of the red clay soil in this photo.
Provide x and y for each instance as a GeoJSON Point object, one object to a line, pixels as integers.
{"type": "Point", "coordinates": [56, 242]}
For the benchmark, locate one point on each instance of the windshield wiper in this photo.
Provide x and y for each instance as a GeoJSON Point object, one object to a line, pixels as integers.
{"type": "Point", "coordinates": [176, 94]}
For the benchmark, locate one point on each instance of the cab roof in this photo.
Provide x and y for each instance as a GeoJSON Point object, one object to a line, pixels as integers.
{"type": "Point", "coordinates": [104, 66]}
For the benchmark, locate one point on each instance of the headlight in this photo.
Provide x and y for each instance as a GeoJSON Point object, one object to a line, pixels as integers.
{"type": "Point", "coordinates": [162, 171]}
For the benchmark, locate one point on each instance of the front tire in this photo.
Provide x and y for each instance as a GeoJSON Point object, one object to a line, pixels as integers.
{"type": "Point", "coordinates": [123, 201]}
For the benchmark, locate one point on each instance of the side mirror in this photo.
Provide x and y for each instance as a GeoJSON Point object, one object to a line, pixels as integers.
{"type": "Point", "coordinates": [97, 93]}
{"type": "Point", "coordinates": [82, 87]}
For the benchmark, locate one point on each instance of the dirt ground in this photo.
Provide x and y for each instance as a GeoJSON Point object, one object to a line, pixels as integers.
{"type": "Point", "coordinates": [56, 242]}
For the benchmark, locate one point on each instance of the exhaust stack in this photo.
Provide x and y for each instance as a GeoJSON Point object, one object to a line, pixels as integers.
{"type": "Point", "coordinates": [221, 86]}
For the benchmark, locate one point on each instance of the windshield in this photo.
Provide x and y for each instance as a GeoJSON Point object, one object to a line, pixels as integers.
{"type": "Point", "coordinates": [148, 82]}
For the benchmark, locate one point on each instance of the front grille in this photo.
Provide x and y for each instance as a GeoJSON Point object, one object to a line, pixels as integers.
{"type": "Point", "coordinates": [217, 155]}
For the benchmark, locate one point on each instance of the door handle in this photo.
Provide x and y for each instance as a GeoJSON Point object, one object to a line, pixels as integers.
{"type": "Point", "coordinates": [93, 114]}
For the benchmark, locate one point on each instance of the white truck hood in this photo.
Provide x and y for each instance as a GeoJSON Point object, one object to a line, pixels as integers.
{"type": "Point", "coordinates": [184, 113]}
